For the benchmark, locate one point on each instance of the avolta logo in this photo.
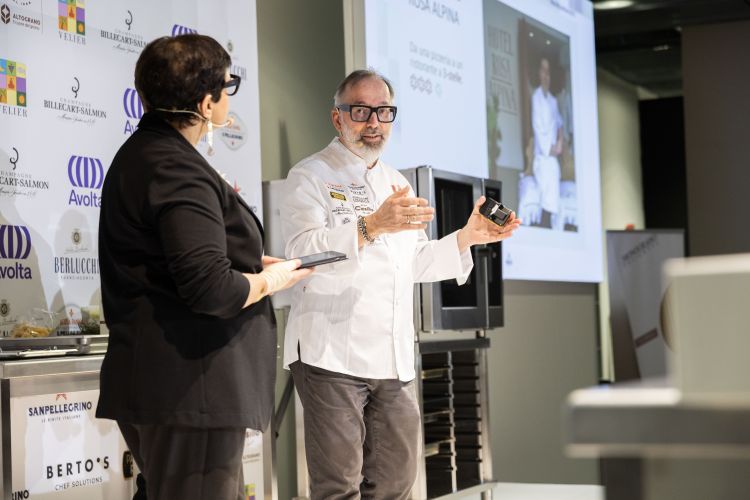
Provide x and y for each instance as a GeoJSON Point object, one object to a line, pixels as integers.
{"type": "Point", "coordinates": [182, 30]}
{"type": "Point", "coordinates": [132, 104]}
{"type": "Point", "coordinates": [15, 242]}
{"type": "Point", "coordinates": [133, 107]}
{"type": "Point", "coordinates": [85, 172]}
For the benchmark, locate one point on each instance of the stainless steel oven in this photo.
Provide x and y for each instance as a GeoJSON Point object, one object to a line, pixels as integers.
{"type": "Point", "coordinates": [478, 304]}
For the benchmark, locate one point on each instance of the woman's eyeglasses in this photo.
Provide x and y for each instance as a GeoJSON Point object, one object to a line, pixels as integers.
{"type": "Point", "coordinates": [233, 84]}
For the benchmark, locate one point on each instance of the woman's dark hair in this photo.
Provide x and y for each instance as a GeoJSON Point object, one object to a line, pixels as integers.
{"type": "Point", "coordinates": [176, 72]}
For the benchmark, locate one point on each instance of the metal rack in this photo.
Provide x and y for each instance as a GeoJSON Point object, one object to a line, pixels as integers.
{"type": "Point", "coordinates": [453, 397]}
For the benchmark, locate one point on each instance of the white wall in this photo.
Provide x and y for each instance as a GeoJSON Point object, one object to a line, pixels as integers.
{"type": "Point", "coordinates": [622, 190]}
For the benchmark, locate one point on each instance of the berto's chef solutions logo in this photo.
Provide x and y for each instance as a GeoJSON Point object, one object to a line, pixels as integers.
{"type": "Point", "coordinates": [71, 21]}
{"type": "Point", "coordinates": [15, 247]}
{"type": "Point", "coordinates": [13, 97]}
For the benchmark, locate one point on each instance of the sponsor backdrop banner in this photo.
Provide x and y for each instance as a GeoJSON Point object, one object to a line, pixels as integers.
{"type": "Point", "coordinates": [62, 451]}
{"type": "Point", "coordinates": [67, 103]}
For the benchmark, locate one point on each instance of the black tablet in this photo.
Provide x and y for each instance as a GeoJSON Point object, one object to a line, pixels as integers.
{"type": "Point", "coordinates": [318, 259]}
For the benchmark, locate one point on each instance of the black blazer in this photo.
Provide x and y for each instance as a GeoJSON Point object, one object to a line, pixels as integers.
{"type": "Point", "coordinates": [174, 240]}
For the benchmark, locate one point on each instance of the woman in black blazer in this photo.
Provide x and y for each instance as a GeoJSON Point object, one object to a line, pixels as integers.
{"type": "Point", "coordinates": [191, 360]}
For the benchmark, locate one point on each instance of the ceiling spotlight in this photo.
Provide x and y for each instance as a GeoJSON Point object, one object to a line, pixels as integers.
{"type": "Point", "coordinates": [613, 4]}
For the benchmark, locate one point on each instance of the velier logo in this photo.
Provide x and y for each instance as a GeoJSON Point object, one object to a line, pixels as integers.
{"type": "Point", "coordinates": [12, 86]}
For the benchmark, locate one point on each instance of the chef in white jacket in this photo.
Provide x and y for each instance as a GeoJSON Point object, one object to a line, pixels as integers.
{"type": "Point", "coordinates": [350, 336]}
{"type": "Point", "coordinates": [546, 123]}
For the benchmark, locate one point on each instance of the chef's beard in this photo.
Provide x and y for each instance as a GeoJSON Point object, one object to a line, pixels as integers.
{"type": "Point", "coordinates": [368, 152]}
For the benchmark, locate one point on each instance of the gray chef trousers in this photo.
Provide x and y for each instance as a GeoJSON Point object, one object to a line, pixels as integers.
{"type": "Point", "coordinates": [188, 463]}
{"type": "Point", "coordinates": [362, 436]}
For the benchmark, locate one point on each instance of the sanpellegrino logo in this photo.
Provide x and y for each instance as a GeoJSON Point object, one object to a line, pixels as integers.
{"type": "Point", "coordinates": [57, 408]}
{"type": "Point", "coordinates": [182, 30]}
{"type": "Point", "coordinates": [15, 245]}
{"type": "Point", "coordinates": [13, 97]}
{"type": "Point", "coordinates": [133, 107]}
{"type": "Point", "coordinates": [86, 175]}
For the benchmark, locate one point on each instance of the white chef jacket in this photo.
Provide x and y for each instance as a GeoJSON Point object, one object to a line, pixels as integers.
{"type": "Point", "coordinates": [356, 316]}
{"type": "Point", "coordinates": [545, 121]}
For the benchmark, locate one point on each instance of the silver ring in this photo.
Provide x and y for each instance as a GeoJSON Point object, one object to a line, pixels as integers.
{"type": "Point", "coordinates": [408, 219]}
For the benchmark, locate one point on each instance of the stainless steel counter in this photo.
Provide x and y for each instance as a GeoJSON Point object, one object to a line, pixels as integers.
{"type": "Point", "coordinates": [654, 445]}
{"type": "Point", "coordinates": [50, 366]}
{"type": "Point", "coordinates": [52, 445]}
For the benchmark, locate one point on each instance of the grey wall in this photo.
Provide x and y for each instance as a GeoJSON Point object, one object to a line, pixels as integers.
{"type": "Point", "coordinates": [546, 349]}
{"type": "Point", "coordinates": [300, 62]}
{"type": "Point", "coordinates": [716, 72]}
